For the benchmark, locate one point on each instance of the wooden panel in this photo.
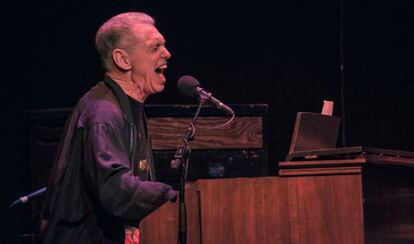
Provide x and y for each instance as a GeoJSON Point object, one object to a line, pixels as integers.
{"type": "Point", "coordinates": [322, 163]}
{"type": "Point", "coordinates": [244, 211]}
{"type": "Point", "coordinates": [311, 209]}
{"type": "Point", "coordinates": [244, 132]}
{"type": "Point", "coordinates": [326, 209]}
{"type": "Point", "coordinates": [161, 226]}
{"type": "Point", "coordinates": [321, 167]}
{"type": "Point", "coordinates": [320, 171]}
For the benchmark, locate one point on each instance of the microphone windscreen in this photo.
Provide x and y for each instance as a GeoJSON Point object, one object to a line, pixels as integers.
{"type": "Point", "coordinates": [187, 85]}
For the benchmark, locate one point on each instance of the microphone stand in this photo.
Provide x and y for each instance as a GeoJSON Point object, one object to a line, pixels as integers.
{"type": "Point", "coordinates": [180, 165]}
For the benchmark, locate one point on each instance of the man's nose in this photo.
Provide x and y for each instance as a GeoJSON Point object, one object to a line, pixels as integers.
{"type": "Point", "coordinates": [166, 54]}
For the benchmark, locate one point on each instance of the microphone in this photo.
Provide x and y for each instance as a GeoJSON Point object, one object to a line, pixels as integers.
{"type": "Point", "coordinates": [190, 87]}
{"type": "Point", "coordinates": [25, 199]}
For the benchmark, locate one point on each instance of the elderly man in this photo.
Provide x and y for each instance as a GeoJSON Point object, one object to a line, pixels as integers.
{"type": "Point", "coordinates": [99, 187]}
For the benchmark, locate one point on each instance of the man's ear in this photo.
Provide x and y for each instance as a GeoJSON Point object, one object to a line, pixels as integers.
{"type": "Point", "coordinates": [121, 59]}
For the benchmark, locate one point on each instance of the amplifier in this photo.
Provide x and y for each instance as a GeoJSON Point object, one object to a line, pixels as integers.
{"type": "Point", "coordinates": [235, 150]}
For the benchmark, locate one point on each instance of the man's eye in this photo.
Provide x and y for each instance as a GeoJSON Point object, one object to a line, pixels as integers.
{"type": "Point", "coordinates": [156, 47]}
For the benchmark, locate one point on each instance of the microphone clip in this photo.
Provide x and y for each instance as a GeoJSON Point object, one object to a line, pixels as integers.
{"type": "Point", "coordinates": [203, 95]}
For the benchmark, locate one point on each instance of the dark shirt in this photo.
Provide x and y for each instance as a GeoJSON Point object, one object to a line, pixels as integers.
{"type": "Point", "coordinates": [140, 121]}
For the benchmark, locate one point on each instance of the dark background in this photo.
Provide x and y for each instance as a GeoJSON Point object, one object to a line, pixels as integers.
{"type": "Point", "coordinates": [283, 53]}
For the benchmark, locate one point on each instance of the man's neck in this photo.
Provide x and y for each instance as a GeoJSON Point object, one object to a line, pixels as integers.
{"type": "Point", "coordinates": [128, 86]}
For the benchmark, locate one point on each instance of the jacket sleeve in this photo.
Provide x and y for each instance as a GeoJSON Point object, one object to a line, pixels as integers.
{"type": "Point", "coordinates": [117, 189]}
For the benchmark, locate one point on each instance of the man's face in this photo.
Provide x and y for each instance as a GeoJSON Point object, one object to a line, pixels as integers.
{"type": "Point", "coordinates": [148, 57]}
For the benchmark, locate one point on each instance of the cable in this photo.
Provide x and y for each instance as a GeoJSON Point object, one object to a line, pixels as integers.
{"type": "Point", "coordinates": [222, 125]}
{"type": "Point", "coordinates": [342, 70]}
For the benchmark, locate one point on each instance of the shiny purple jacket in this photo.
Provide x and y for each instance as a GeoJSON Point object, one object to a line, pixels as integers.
{"type": "Point", "coordinates": [92, 192]}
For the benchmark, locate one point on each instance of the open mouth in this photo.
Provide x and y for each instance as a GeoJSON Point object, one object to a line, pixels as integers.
{"type": "Point", "coordinates": [160, 70]}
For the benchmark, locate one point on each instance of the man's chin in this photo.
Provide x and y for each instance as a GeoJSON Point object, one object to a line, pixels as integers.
{"type": "Point", "coordinates": [160, 89]}
{"type": "Point", "coordinates": [157, 89]}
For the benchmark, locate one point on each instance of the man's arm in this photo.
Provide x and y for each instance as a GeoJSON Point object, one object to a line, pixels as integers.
{"type": "Point", "coordinates": [118, 191]}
